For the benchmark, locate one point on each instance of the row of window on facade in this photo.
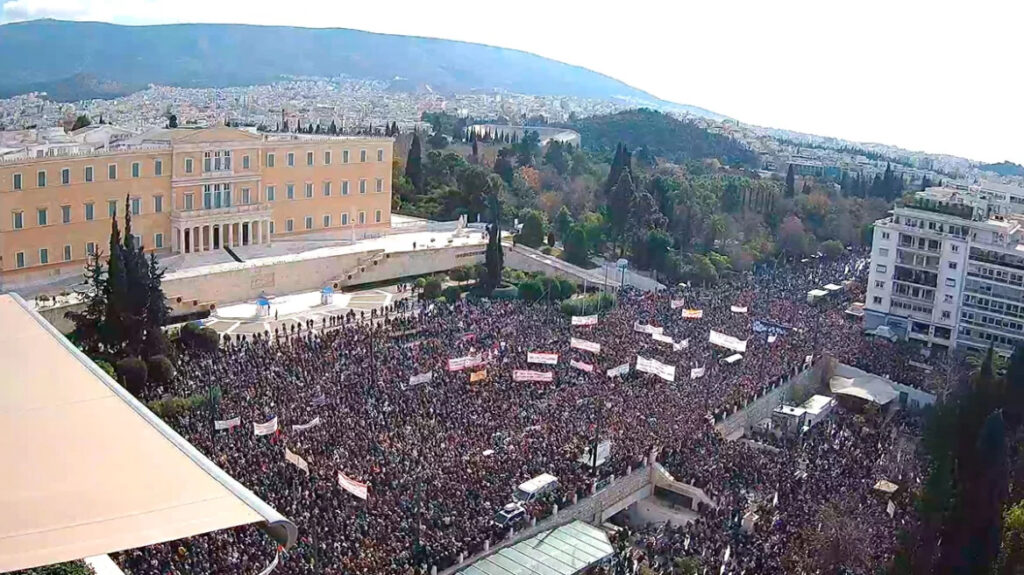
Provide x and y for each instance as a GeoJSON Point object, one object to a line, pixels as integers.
{"type": "Point", "coordinates": [214, 196]}
{"type": "Point", "coordinates": [67, 253]}
{"type": "Point", "coordinates": [88, 212]}
{"type": "Point", "coordinates": [959, 231]}
{"type": "Point", "coordinates": [993, 306]}
{"type": "Point", "coordinates": [327, 189]}
{"type": "Point", "coordinates": [289, 224]}
{"type": "Point", "coordinates": [988, 336]}
{"type": "Point", "coordinates": [987, 322]}
{"type": "Point", "coordinates": [328, 157]}
{"type": "Point", "coordinates": [88, 175]}
{"type": "Point", "coordinates": [212, 162]}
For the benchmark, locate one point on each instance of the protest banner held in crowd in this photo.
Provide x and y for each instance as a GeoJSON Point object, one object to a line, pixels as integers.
{"type": "Point", "coordinates": [420, 379]}
{"type": "Point", "coordinates": [296, 460]}
{"type": "Point", "coordinates": [655, 367]}
{"type": "Point", "coordinates": [727, 341]}
{"type": "Point", "coordinates": [227, 423]}
{"type": "Point", "coordinates": [542, 358]}
{"type": "Point", "coordinates": [354, 487]}
{"type": "Point", "coordinates": [265, 428]}
{"type": "Point", "coordinates": [587, 367]}
{"type": "Point", "coordinates": [584, 345]}
{"type": "Point", "coordinates": [530, 375]}
{"type": "Point", "coordinates": [308, 425]}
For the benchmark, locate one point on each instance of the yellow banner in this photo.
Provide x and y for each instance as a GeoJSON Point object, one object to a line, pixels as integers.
{"type": "Point", "coordinates": [477, 376]}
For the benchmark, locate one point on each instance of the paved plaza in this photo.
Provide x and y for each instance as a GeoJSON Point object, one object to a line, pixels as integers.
{"type": "Point", "coordinates": [297, 309]}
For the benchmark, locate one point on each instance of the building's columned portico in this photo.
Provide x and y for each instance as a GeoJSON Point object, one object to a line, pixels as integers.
{"type": "Point", "coordinates": [204, 230]}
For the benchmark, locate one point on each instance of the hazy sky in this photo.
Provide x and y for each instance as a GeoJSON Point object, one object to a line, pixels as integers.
{"type": "Point", "coordinates": [934, 75]}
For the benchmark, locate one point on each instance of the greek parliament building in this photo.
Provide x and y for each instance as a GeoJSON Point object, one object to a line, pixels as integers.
{"type": "Point", "coordinates": [189, 190]}
{"type": "Point", "coordinates": [947, 269]}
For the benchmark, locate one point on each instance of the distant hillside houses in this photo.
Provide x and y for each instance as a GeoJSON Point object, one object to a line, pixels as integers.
{"type": "Point", "coordinates": [546, 134]}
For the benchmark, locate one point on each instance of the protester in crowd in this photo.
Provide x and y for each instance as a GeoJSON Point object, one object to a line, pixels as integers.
{"type": "Point", "coordinates": [442, 457]}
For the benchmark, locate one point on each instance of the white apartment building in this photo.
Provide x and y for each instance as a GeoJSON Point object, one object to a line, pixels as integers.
{"type": "Point", "coordinates": [947, 270]}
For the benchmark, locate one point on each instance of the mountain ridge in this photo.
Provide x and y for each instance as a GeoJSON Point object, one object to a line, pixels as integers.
{"type": "Point", "coordinates": [79, 60]}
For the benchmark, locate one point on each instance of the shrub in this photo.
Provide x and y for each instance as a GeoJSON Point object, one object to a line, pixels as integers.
{"type": "Point", "coordinates": [533, 229]}
{"type": "Point", "coordinates": [530, 290]}
{"type": "Point", "coordinates": [105, 366]}
{"type": "Point", "coordinates": [172, 407]}
{"type": "Point", "coordinates": [551, 239]}
{"type": "Point", "coordinates": [198, 337]}
{"type": "Point", "coordinates": [589, 305]}
{"type": "Point", "coordinates": [576, 245]}
{"type": "Point", "coordinates": [69, 568]}
{"type": "Point", "coordinates": [132, 373]}
{"type": "Point", "coordinates": [209, 338]}
{"type": "Point", "coordinates": [431, 288]}
{"type": "Point", "coordinates": [451, 294]}
{"type": "Point", "coordinates": [505, 293]}
{"type": "Point", "coordinates": [832, 249]}
{"type": "Point", "coordinates": [566, 289]}
{"type": "Point", "coordinates": [160, 369]}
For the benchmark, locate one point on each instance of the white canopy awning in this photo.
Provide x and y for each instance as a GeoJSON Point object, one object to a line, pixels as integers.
{"type": "Point", "coordinates": [88, 469]}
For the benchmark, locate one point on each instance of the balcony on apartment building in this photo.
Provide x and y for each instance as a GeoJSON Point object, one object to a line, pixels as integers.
{"type": "Point", "coordinates": [919, 244]}
{"type": "Point", "coordinates": [916, 276]}
{"type": "Point", "coordinates": [917, 260]}
{"type": "Point", "coordinates": [910, 308]}
{"type": "Point", "coordinates": [997, 258]}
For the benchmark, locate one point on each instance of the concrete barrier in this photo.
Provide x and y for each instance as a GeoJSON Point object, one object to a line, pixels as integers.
{"type": "Point", "coordinates": [739, 421]}
{"type": "Point", "coordinates": [237, 282]}
{"type": "Point", "coordinates": [531, 260]}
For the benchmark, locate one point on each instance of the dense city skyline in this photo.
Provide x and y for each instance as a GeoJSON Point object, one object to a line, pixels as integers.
{"type": "Point", "coordinates": [787, 81]}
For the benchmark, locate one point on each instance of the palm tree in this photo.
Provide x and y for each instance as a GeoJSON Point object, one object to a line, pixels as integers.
{"type": "Point", "coordinates": [716, 228]}
{"type": "Point", "coordinates": [977, 362]}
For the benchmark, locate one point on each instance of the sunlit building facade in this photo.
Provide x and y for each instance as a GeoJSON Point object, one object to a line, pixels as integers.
{"type": "Point", "coordinates": [188, 191]}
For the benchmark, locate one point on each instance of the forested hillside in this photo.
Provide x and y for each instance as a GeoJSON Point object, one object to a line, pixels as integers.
{"type": "Point", "coordinates": [1003, 169]}
{"type": "Point", "coordinates": [684, 221]}
{"type": "Point", "coordinates": [652, 133]}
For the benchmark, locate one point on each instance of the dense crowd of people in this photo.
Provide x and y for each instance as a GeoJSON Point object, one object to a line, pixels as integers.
{"type": "Point", "coordinates": [440, 458]}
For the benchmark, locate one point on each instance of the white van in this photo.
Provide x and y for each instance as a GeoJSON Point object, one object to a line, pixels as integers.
{"type": "Point", "coordinates": [536, 487]}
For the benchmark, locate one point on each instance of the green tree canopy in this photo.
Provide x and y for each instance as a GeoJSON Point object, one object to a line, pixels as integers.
{"type": "Point", "coordinates": [563, 221]}
{"type": "Point", "coordinates": [533, 229]}
{"type": "Point", "coordinates": [576, 245]}
{"type": "Point", "coordinates": [80, 122]}
{"type": "Point", "coordinates": [414, 164]}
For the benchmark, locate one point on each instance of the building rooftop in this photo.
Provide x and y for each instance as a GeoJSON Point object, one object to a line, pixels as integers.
{"type": "Point", "coordinates": [566, 550]}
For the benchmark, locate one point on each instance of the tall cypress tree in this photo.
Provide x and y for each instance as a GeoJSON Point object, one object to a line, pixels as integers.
{"type": "Point", "coordinates": [619, 206]}
{"type": "Point", "coordinates": [156, 310]}
{"type": "Point", "coordinates": [790, 182]}
{"type": "Point", "coordinates": [615, 172]}
{"type": "Point", "coordinates": [115, 292]}
{"type": "Point", "coordinates": [88, 332]}
{"type": "Point", "coordinates": [414, 164]}
{"type": "Point", "coordinates": [133, 309]}
{"type": "Point", "coordinates": [494, 257]}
